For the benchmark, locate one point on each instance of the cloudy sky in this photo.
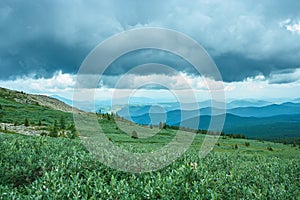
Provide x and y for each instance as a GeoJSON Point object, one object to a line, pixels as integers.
{"type": "Point", "coordinates": [255, 44]}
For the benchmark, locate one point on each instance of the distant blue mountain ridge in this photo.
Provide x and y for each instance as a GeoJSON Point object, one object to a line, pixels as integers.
{"type": "Point", "coordinates": [287, 108]}
{"type": "Point", "coordinates": [251, 117]}
{"type": "Point", "coordinates": [268, 122]}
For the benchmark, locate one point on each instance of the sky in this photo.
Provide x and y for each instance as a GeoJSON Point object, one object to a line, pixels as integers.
{"type": "Point", "coordinates": [255, 44]}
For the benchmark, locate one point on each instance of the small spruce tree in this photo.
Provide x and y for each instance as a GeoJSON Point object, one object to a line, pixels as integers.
{"type": "Point", "coordinates": [62, 122]}
{"type": "Point", "coordinates": [54, 130]}
{"type": "Point", "coordinates": [26, 122]}
{"type": "Point", "coordinates": [270, 148]}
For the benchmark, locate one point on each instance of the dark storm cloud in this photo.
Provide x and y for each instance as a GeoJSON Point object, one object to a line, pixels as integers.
{"type": "Point", "coordinates": [41, 57]}
{"type": "Point", "coordinates": [140, 57]}
{"type": "Point", "coordinates": [247, 67]}
{"type": "Point", "coordinates": [244, 38]}
{"type": "Point", "coordinates": [42, 37]}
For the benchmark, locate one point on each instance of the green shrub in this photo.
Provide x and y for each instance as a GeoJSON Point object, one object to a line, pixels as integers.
{"type": "Point", "coordinates": [43, 133]}
{"type": "Point", "coordinates": [54, 130]}
{"type": "Point", "coordinates": [134, 135]}
{"type": "Point", "coordinates": [270, 148]}
{"type": "Point", "coordinates": [26, 122]}
{"type": "Point", "coordinates": [72, 132]}
{"type": "Point", "coordinates": [62, 122]}
{"type": "Point", "coordinates": [58, 168]}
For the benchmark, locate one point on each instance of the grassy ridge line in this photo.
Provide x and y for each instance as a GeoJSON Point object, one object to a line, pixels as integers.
{"type": "Point", "coordinates": [15, 107]}
{"type": "Point", "coordinates": [33, 99]}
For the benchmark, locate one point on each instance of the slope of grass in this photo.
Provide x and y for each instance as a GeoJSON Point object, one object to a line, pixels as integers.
{"type": "Point", "coordinates": [59, 168]}
{"type": "Point", "coordinates": [15, 112]}
{"type": "Point", "coordinates": [34, 167]}
{"type": "Point", "coordinates": [164, 136]}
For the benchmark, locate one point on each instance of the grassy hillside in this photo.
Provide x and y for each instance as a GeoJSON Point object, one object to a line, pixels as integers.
{"type": "Point", "coordinates": [225, 144]}
{"type": "Point", "coordinates": [59, 168]}
{"type": "Point", "coordinates": [16, 106]}
{"type": "Point", "coordinates": [38, 167]}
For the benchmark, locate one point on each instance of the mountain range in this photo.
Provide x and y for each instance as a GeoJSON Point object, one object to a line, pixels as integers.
{"type": "Point", "coordinates": [251, 117]}
{"type": "Point", "coordinates": [268, 122]}
{"type": "Point", "coordinates": [255, 119]}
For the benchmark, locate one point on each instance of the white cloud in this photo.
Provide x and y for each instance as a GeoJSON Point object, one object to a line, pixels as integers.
{"type": "Point", "coordinates": [285, 77]}
{"type": "Point", "coordinates": [290, 25]}
{"type": "Point", "coordinates": [178, 81]}
{"type": "Point", "coordinates": [294, 28]}
{"type": "Point", "coordinates": [259, 87]}
{"type": "Point", "coordinates": [58, 83]}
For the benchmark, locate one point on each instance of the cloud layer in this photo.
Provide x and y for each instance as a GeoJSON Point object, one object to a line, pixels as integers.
{"type": "Point", "coordinates": [245, 39]}
{"type": "Point", "coordinates": [258, 87]}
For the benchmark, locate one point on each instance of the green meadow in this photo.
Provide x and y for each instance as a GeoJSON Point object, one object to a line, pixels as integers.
{"type": "Point", "coordinates": [36, 167]}
{"type": "Point", "coordinates": [43, 167]}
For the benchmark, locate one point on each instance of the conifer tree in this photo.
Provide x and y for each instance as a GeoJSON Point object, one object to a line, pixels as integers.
{"type": "Point", "coordinates": [62, 122]}
{"type": "Point", "coordinates": [26, 122]}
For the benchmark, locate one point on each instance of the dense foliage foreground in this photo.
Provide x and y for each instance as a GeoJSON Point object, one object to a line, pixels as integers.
{"type": "Point", "coordinates": [34, 167]}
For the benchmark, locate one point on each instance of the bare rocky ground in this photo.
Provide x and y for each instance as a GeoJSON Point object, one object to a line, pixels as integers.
{"type": "Point", "coordinates": [41, 100]}
{"type": "Point", "coordinates": [26, 130]}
